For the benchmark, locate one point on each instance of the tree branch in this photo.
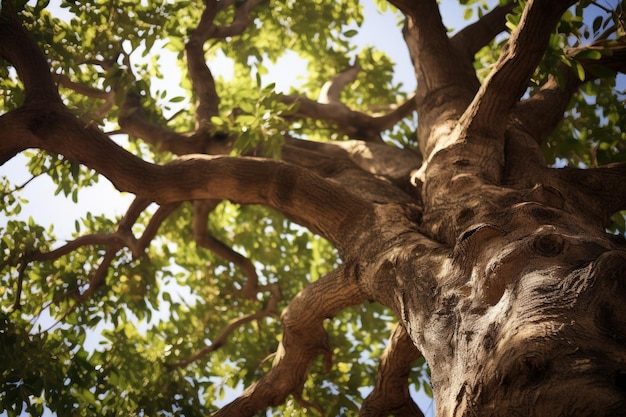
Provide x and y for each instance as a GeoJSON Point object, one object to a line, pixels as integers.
{"type": "Point", "coordinates": [296, 192]}
{"type": "Point", "coordinates": [199, 72]}
{"type": "Point", "coordinates": [19, 48]}
{"type": "Point", "coordinates": [472, 38]}
{"type": "Point", "coordinates": [21, 270]}
{"type": "Point", "coordinates": [303, 340]}
{"type": "Point", "coordinates": [240, 21]}
{"type": "Point", "coordinates": [446, 81]}
{"type": "Point", "coordinates": [352, 123]}
{"type": "Point", "coordinates": [436, 62]}
{"type": "Point", "coordinates": [487, 115]}
{"type": "Point", "coordinates": [391, 393]}
{"type": "Point", "coordinates": [541, 112]}
{"type": "Point", "coordinates": [83, 89]}
{"type": "Point", "coordinates": [87, 91]}
{"type": "Point", "coordinates": [332, 89]}
{"type": "Point", "coordinates": [222, 338]}
{"type": "Point", "coordinates": [203, 238]}
{"type": "Point", "coordinates": [134, 121]}
{"type": "Point", "coordinates": [600, 190]}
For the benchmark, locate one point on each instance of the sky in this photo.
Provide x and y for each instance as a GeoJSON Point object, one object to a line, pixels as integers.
{"type": "Point", "coordinates": [47, 209]}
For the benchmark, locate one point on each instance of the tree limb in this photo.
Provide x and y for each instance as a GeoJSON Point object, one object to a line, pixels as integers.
{"type": "Point", "coordinates": [199, 72]}
{"type": "Point", "coordinates": [600, 190]}
{"type": "Point", "coordinates": [486, 116]}
{"type": "Point", "coordinates": [304, 338]}
{"type": "Point", "coordinates": [391, 393]}
{"type": "Point", "coordinates": [472, 38]}
{"type": "Point", "coordinates": [204, 239]}
{"type": "Point", "coordinates": [222, 338]}
{"type": "Point", "coordinates": [543, 110]}
{"type": "Point", "coordinates": [294, 191]}
{"type": "Point", "coordinates": [352, 123]}
{"type": "Point", "coordinates": [446, 81]}
{"type": "Point", "coordinates": [331, 90]}
{"type": "Point", "coordinates": [436, 62]}
{"type": "Point", "coordinates": [134, 121]}
{"type": "Point", "coordinates": [83, 89]}
{"type": "Point", "coordinates": [19, 48]}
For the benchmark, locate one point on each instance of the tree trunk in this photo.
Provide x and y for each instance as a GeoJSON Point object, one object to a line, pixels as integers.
{"type": "Point", "coordinates": [498, 268]}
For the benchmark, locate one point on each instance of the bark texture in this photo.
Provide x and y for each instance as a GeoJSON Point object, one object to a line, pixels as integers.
{"type": "Point", "coordinates": [497, 267]}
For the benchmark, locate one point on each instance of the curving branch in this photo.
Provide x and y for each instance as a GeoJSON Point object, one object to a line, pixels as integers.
{"type": "Point", "coordinates": [332, 89]}
{"type": "Point", "coordinates": [241, 20]}
{"type": "Point", "coordinates": [199, 72]}
{"type": "Point", "coordinates": [542, 111]}
{"type": "Point", "coordinates": [294, 191]}
{"type": "Point", "coordinates": [435, 60]}
{"type": "Point", "coordinates": [352, 123]}
{"type": "Point", "coordinates": [446, 81]}
{"type": "Point", "coordinates": [472, 38]}
{"type": "Point", "coordinates": [270, 310]}
{"type": "Point", "coordinates": [204, 239]}
{"type": "Point", "coordinates": [391, 393]}
{"type": "Point", "coordinates": [303, 340]}
{"type": "Point", "coordinates": [600, 190]}
{"type": "Point", "coordinates": [18, 47]}
{"type": "Point", "coordinates": [134, 121]}
{"type": "Point", "coordinates": [488, 112]}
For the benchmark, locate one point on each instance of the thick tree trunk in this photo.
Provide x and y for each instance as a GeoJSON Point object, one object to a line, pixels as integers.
{"type": "Point", "coordinates": [498, 269]}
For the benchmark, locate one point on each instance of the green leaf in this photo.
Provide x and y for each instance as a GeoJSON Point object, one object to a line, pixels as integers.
{"type": "Point", "coordinates": [593, 54]}
{"type": "Point", "coordinates": [246, 106]}
{"type": "Point", "coordinates": [580, 71]}
{"type": "Point", "coordinates": [597, 23]}
{"type": "Point", "coordinates": [217, 121]}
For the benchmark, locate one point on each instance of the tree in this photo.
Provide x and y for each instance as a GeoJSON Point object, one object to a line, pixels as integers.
{"type": "Point", "coordinates": [504, 273]}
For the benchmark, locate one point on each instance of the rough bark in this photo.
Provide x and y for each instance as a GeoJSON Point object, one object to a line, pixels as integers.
{"type": "Point", "coordinates": [497, 267]}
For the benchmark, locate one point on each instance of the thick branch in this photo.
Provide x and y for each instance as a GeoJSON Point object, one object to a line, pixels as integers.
{"type": "Point", "coordinates": [134, 121]}
{"type": "Point", "coordinates": [540, 113]}
{"type": "Point", "coordinates": [352, 123]}
{"type": "Point", "coordinates": [19, 48]}
{"type": "Point", "coordinates": [491, 107]}
{"type": "Point", "coordinates": [199, 72]}
{"type": "Point", "coordinates": [303, 340]}
{"type": "Point", "coordinates": [436, 62]}
{"type": "Point", "coordinates": [472, 38]}
{"type": "Point", "coordinates": [600, 190]}
{"type": "Point", "coordinates": [332, 89]}
{"type": "Point", "coordinates": [446, 81]}
{"type": "Point", "coordinates": [391, 393]}
{"type": "Point", "coordinates": [294, 191]}
{"type": "Point", "coordinates": [204, 239]}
